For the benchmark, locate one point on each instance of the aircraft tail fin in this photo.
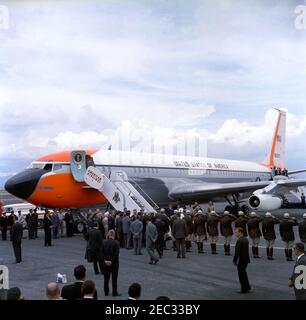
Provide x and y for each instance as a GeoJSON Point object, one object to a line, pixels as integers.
{"type": "Point", "coordinates": [276, 157]}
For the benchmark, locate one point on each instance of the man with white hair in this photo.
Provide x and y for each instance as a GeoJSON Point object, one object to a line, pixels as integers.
{"type": "Point", "coordinates": [268, 231]}
{"type": "Point", "coordinates": [53, 291]}
{"type": "Point", "coordinates": [287, 234]}
{"type": "Point", "coordinates": [302, 229]}
{"type": "Point", "coordinates": [180, 232]}
{"type": "Point", "coordinates": [254, 233]}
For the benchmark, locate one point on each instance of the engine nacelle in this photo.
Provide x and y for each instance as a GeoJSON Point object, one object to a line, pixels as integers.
{"type": "Point", "coordinates": [265, 202]}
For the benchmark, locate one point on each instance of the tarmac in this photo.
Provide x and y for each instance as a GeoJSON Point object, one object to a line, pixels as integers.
{"type": "Point", "coordinates": [199, 277]}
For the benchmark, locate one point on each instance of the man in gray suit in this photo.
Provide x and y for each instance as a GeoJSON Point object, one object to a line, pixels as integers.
{"type": "Point", "coordinates": [126, 224]}
{"type": "Point", "coordinates": [151, 237]}
{"type": "Point", "coordinates": [136, 230]}
{"type": "Point", "coordinates": [180, 232]}
{"type": "Point", "coordinates": [298, 277]}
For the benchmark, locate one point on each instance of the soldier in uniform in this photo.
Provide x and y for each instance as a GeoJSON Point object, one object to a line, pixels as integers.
{"type": "Point", "coordinates": [302, 229]}
{"type": "Point", "coordinates": [287, 234]}
{"type": "Point", "coordinates": [254, 233]}
{"type": "Point", "coordinates": [189, 223]}
{"type": "Point", "coordinates": [227, 231]}
{"type": "Point", "coordinates": [200, 229]}
{"type": "Point", "coordinates": [212, 229]}
{"type": "Point", "coordinates": [269, 233]}
{"type": "Point", "coordinates": [242, 222]}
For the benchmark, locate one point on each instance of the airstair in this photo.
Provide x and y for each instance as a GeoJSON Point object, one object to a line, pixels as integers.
{"type": "Point", "coordinates": [116, 188]}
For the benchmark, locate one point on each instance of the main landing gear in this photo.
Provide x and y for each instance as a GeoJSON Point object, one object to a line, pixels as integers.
{"type": "Point", "coordinates": [234, 205]}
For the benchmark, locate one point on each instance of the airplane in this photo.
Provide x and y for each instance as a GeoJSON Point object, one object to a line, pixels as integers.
{"type": "Point", "coordinates": [86, 178]}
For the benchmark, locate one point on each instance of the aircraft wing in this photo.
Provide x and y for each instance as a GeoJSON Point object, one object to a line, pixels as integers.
{"type": "Point", "coordinates": [283, 186]}
{"type": "Point", "coordinates": [209, 191]}
{"type": "Point", "coordinates": [296, 171]}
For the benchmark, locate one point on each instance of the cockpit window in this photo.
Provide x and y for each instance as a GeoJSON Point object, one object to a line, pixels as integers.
{"type": "Point", "coordinates": [37, 165]}
{"type": "Point", "coordinates": [48, 167]}
{"type": "Point", "coordinates": [57, 167]}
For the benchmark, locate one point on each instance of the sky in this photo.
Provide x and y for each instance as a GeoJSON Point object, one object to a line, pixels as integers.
{"type": "Point", "coordinates": [76, 74]}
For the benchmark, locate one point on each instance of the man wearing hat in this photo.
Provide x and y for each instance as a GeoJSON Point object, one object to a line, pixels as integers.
{"type": "Point", "coordinates": [227, 231]}
{"type": "Point", "coordinates": [302, 229]}
{"type": "Point", "coordinates": [254, 233]}
{"type": "Point", "coordinates": [200, 229]}
{"type": "Point", "coordinates": [212, 229]}
{"type": "Point", "coordinates": [241, 222]}
{"type": "Point", "coordinates": [297, 279]}
{"type": "Point", "coordinates": [189, 222]}
{"type": "Point", "coordinates": [287, 234]}
{"type": "Point", "coordinates": [268, 232]}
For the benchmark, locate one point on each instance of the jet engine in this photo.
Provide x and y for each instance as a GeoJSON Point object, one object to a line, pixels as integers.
{"type": "Point", "coordinates": [265, 202]}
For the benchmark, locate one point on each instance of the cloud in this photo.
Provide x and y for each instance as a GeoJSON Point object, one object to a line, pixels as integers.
{"type": "Point", "coordinates": [75, 75]}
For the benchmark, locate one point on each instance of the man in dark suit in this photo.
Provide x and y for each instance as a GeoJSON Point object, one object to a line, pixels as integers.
{"type": "Point", "coordinates": [302, 229]}
{"type": "Point", "coordinates": [180, 232]}
{"type": "Point", "coordinates": [297, 279]}
{"type": "Point", "coordinates": [3, 225]}
{"type": "Point", "coordinates": [134, 292]}
{"type": "Point", "coordinates": [35, 223]}
{"type": "Point", "coordinates": [161, 228]}
{"type": "Point", "coordinates": [94, 238]}
{"type": "Point", "coordinates": [110, 257]}
{"type": "Point", "coordinates": [242, 259]}
{"type": "Point", "coordinates": [47, 228]}
{"type": "Point", "coordinates": [69, 223]}
{"type": "Point", "coordinates": [16, 238]}
{"type": "Point", "coordinates": [74, 291]}
{"type": "Point", "coordinates": [88, 289]}
{"type": "Point", "coordinates": [30, 224]}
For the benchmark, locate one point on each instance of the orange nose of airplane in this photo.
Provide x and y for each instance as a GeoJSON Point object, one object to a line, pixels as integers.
{"type": "Point", "coordinates": [23, 184]}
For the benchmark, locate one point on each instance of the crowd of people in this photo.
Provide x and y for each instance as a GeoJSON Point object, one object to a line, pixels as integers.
{"type": "Point", "coordinates": [185, 228]}
{"type": "Point", "coordinates": [81, 289]}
